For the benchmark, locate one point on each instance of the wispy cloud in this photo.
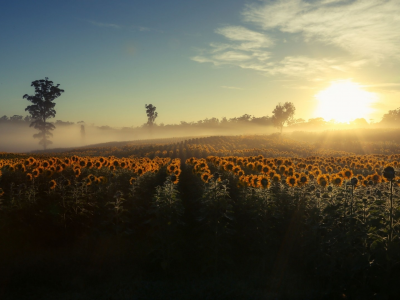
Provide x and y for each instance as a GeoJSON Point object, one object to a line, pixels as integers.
{"type": "Point", "coordinates": [365, 28]}
{"type": "Point", "coordinates": [231, 87]}
{"type": "Point", "coordinates": [99, 24]}
{"type": "Point", "coordinates": [358, 32]}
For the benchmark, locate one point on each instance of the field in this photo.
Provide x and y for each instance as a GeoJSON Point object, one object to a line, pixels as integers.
{"type": "Point", "coordinates": [246, 217]}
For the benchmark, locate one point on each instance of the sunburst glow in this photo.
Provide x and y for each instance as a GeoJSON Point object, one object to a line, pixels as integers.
{"type": "Point", "coordinates": [344, 101]}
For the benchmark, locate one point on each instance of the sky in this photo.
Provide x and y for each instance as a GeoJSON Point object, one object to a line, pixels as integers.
{"type": "Point", "coordinates": [198, 59]}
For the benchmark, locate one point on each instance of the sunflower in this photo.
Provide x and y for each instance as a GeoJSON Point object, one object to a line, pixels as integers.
{"type": "Point", "coordinates": [375, 178]}
{"type": "Point", "coordinates": [250, 166]}
{"type": "Point", "coordinates": [103, 179]}
{"type": "Point", "coordinates": [171, 168]}
{"type": "Point", "coordinates": [229, 166]}
{"type": "Point", "coordinates": [236, 170]}
{"type": "Point", "coordinates": [291, 180]}
{"type": "Point", "coordinates": [174, 179]}
{"type": "Point", "coordinates": [53, 184]}
{"type": "Point", "coordinates": [1, 192]}
{"type": "Point", "coordinates": [59, 168]}
{"type": "Point", "coordinates": [91, 177]}
{"type": "Point", "coordinates": [264, 182]}
{"type": "Point", "coordinates": [205, 177]}
{"type": "Point", "coordinates": [82, 163]}
{"type": "Point", "coordinates": [35, 173]}
{"type": "Point", "coordinates": [48, 173]}
{"type": "Point", "coordinates": [87, 181]}
{"type": "Point", "coordinates": [29, 176]}
{"type": "Point", "coordinates": [322, 180]}
{"type": "Point", "coordinates": [77, 172]}
{"type": "Point", "coordinates": [337, 180]}
{"type": "Point", "coordinates": [276, 178]}
{"type": "Point", "coordinates": [389, 173]}
{"type": "Point", "coordinates": [178, 172]}
{"type": "Point", "coordinates": [140, 170]}
{"type": "Point", "coordinates": [131, 181]}
{"type": "Point", "coordinates": [303, 179]}
{"type": "Point", "coordinates": [255, 182]}
{"type": "Point", "coordinates": [347, 173]}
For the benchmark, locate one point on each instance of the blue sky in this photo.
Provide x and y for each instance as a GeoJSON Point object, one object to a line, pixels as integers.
{"type": "Point", "coordinates": [195, 59]}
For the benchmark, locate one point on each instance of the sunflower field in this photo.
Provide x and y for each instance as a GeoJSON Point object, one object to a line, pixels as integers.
{"type": "Point", "coordinates": [331, 220]}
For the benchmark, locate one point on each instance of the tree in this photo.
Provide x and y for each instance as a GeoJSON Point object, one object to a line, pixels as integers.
{"type": "Point", "coordinates": [283, 114]}
{"type": "Point", "coordinates": [393, 116]}
{"type": "Point", "coordinates": [42, 108]}
{"type": "Point", "coordinates": [151, 114]}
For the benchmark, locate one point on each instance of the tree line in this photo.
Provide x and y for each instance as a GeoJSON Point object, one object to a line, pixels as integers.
{"type": "Point", "coordinates": [46, 92]}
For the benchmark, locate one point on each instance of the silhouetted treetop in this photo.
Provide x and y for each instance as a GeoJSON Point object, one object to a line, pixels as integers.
{"type": "Point", "coordinates": [42, 108]}
{"type": "Point", "coordinates": [151, 114]}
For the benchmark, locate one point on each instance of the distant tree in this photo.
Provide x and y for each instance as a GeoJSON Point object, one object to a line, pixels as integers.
{"type": "Point", "coordinates": [16, 118]}
{"type": "Point", "coordinates": [360, 122]}
{"type": "Point", "coordinates": [42, 108]}
{"type": "Point", "coordinates": [151, 114]}
{"type": "Point", "coordinates": [316, 122]}
{"type": "Point", "coordinates": [393, 116]}
{"type": "Point", "coordinates": [283, 114]}
{"type": "Point", "coordinates": [4, 118]}
{"type": "Point", "coordinates": [28, 119]}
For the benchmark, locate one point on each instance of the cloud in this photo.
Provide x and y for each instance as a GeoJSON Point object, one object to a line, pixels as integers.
{"type": "Point", "coordinates": [355, 33]}
{"type": "Point", "coordinates": [98, 24]}
{"type": "Point", "coordinates": [364, 28]}
{"type": "Point", "coordinates": [231, 87]}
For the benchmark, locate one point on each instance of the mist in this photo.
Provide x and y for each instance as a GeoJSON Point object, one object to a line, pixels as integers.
{"type": "Point", "coordinates": [19, 137]}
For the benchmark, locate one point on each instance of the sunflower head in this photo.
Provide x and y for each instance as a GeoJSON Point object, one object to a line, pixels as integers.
{"type": "Point", "coordinates": [53, 184]}
{"type": "Point", "coordinates": [276, 178]}
{"type": "Point", "coordinates": [35, 173]}
{"type": "Point", "coordinates": [174, 179]}
{"type": "Point", "coordinates": [337, 181]}
{"type": "Point", "coordinates": [389, 173]}
{"type": "Point", "coordinates": [291, 181]}
{"type": "Point", "coordinates": [347, 173]}
{"type": "Point", "coordinates": [77, 172]}
{"type": "Point", "coordinates": [264, 182]}
{"type": "Point", "coordinates": [205, 177]}
{"type": "Point", "coordinates": [303, 179]}
{"type": "Point", "coordinates": [322, 181]}
{"type": "Point", "coordinates": [132, 180]}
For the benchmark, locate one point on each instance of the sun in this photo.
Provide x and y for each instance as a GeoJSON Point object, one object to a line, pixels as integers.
{"type": "Point", "coordinates": [344, 101]}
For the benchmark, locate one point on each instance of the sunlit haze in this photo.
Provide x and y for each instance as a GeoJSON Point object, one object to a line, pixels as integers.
{"type": "Point", "coordinates": [344, 101]}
